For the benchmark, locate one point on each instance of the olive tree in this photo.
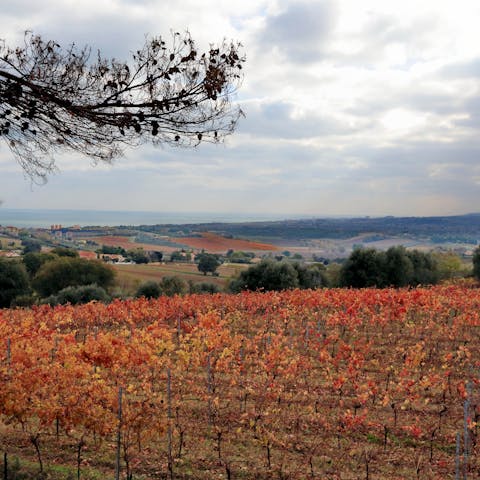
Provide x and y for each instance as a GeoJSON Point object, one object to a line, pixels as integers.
{"type": "Point", "coordinates": [63, 272]}
{"type": "Point", "coordinates": [14, 281]}
{"type": "Point", "coordinates": [267, 275]}
{"type": "Point", "coordinates": [208, 263]}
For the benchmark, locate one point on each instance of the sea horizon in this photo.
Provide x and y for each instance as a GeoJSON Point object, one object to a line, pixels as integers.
{"type": "Point", "coordinates": [44, 218]}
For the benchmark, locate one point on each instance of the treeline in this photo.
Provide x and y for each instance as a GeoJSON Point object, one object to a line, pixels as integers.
{"type": "Point", "coordinates": [174, 285]}
{"type": "Point", "coordinates": [397, 267]}
{"type": "Point", "coordinates": [271, 274]}
{"type": "Point", "coordinates": [137, 255]}
{"type": "Point", "coordinates": [365, 267]}
{"type": "Point", "coordinates": [58, 276]}
{"type": "Point", "coordinates": [464, 227]}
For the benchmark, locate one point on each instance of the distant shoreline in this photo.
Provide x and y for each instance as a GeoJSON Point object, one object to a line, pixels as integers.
{"type": "Point", "coordinates": [43, 218]}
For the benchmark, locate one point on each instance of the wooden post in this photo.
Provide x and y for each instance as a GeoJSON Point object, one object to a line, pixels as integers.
{"type": "Point", "coordinates": [466, 436]}
{"type": "Point", "coordinates": [9, 351]}
{"type": "Point", "coordinates": [457, 458]}
{"type": "Point", "coordinates": [119, 434]}
{"type": "Point", "coordinates": [169, 414]}
{"type": "Point", "coordinates": [210, 389]}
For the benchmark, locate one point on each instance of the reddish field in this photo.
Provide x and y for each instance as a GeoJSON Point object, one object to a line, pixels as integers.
{"type": "Point", "coordinates": [87, 254]}
{"type": "Point", "coordinates": [212, 242]}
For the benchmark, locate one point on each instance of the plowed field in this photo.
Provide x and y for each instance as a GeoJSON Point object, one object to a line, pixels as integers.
{"type": "Point", "coordinates": [212, 242]}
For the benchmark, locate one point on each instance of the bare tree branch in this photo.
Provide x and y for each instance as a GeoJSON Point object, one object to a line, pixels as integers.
{"type": "Point", "coordinates": [52, 100]}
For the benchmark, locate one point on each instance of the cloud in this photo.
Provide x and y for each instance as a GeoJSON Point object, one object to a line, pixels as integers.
{"type": "Point", "coordinates": [300, 31]}
{"type": "Point", "coordinates": [384, 40]}
{"type": "Point", "coordinates": [351, 107]}
{"type": "Point", "coordinates": [283, 120]}
{"type": "Point", "coordinates": [466, 69]}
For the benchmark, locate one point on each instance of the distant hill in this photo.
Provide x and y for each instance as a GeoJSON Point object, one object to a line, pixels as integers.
{"type": "Point", "coordinates": [459, 228]}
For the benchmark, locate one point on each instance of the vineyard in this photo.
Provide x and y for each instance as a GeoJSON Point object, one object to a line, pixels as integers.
{"type": "Point", "coordinates": [327, 384]}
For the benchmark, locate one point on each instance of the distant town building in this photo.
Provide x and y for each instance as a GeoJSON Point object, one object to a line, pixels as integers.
{"type": "Point", "coordinates": [12, 230]}
{"type": "Point", "coordinates": [10, 253]}
{"type": "Point", "coordinates": [112, 258]}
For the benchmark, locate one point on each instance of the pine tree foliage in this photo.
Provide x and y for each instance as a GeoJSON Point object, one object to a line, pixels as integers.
{"type": "Point", "coordinates": [54, 100]}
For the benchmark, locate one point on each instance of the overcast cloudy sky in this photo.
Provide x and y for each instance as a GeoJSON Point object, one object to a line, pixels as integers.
{"type": "Point", "coordinates": [367, 107]}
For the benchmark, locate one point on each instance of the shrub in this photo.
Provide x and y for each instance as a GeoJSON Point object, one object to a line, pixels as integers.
{"type": "Point", "coordinates": [312, 276]}
{"type": "Point", "coordinates": [31, 245]}
{"type": "Point", "coordinates": [171, 286]}
{"type": "Point", "coordinates": [24, 300]}
{"type": "Point", "coordinates": [267, 275]}
{"type": "Point", "coordinates": [149, 289]}
{"type": "Point", "coordinates": [425, 268]}
{"type": "Point", "coordinates": [65, 252]}
{"type": "Point", "coordinates": [77, 295]}
{"type": "Point", "coordinates": [240, 257]}
{"type": "Point", "coordinates": [449, 265]}
{"type": "Point", "coordinates": [34, 260]}
{"type": "Point", "coordinates": [364, 268]}
{"type": "Point", "coordinates": [204, 287]}
{"type": "Point", "coordinates": [137, 256]}
{"type": "Point", "coordinates": [13, 281]}
{"type": "Point", "coordinates": [397, 267]}
{"type": "Point", "coordinates": [63, 272]}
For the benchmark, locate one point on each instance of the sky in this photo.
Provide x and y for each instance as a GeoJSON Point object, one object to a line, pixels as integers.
{"type": "Point", "coordinates": [351, 107]}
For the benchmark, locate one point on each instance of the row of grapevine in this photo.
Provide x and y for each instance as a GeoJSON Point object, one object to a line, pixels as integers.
{"type": "Point", "coordinates": [298, 384]}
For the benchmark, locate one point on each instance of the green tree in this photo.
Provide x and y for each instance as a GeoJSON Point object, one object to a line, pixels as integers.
{"type": "Point", "coordinates": [398, 269]}
{"type": "Point", "coordinates": [78, 294]}
{"type": "Point", "coordinates": [31, 245]}
{"type": "Point", "coordinates": [208, 263]}
{"type": "Point", "coordinates": [138, 256]}
{"type": "Point", "coordinates": [112, 250]}
{"type": "Point", "coordinates": [425, 268]}
{"type": "Point", "coordinates": [476, 263]}
{"type": "Point", "coordinates": [240, 257]}
{"type": "Point", "coordinates": [267, 275]}
{"type": "Point", "coordinates": [64, 252]}
{"type": "Point", "coordinates": [155, 256]}
{"type": "Point", "coordinates": [311, 276]}
{"type": "Point", "coordinates": [450, 265]}
{"type": "Point", "coordinates": [364, 268]}
{"type": "Point", "coordinates": [14, 281]}
{"type": "Point", "coordinates": [176, 256]}
{"type": "Point", "coordinates": [203, 287]}
{"type": "Point", "coordinates": [180, 256]}
{"type": "Point", "coordinates": [334, 274]}
{"type": "Point", "coordinates": [34, 260]}
{"type": "Point", "coordinates": [173, 285]}
{"type": "Point", "coordinates": [149, 289]}
{"type": "Point", "coordinates": [63, 272]}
